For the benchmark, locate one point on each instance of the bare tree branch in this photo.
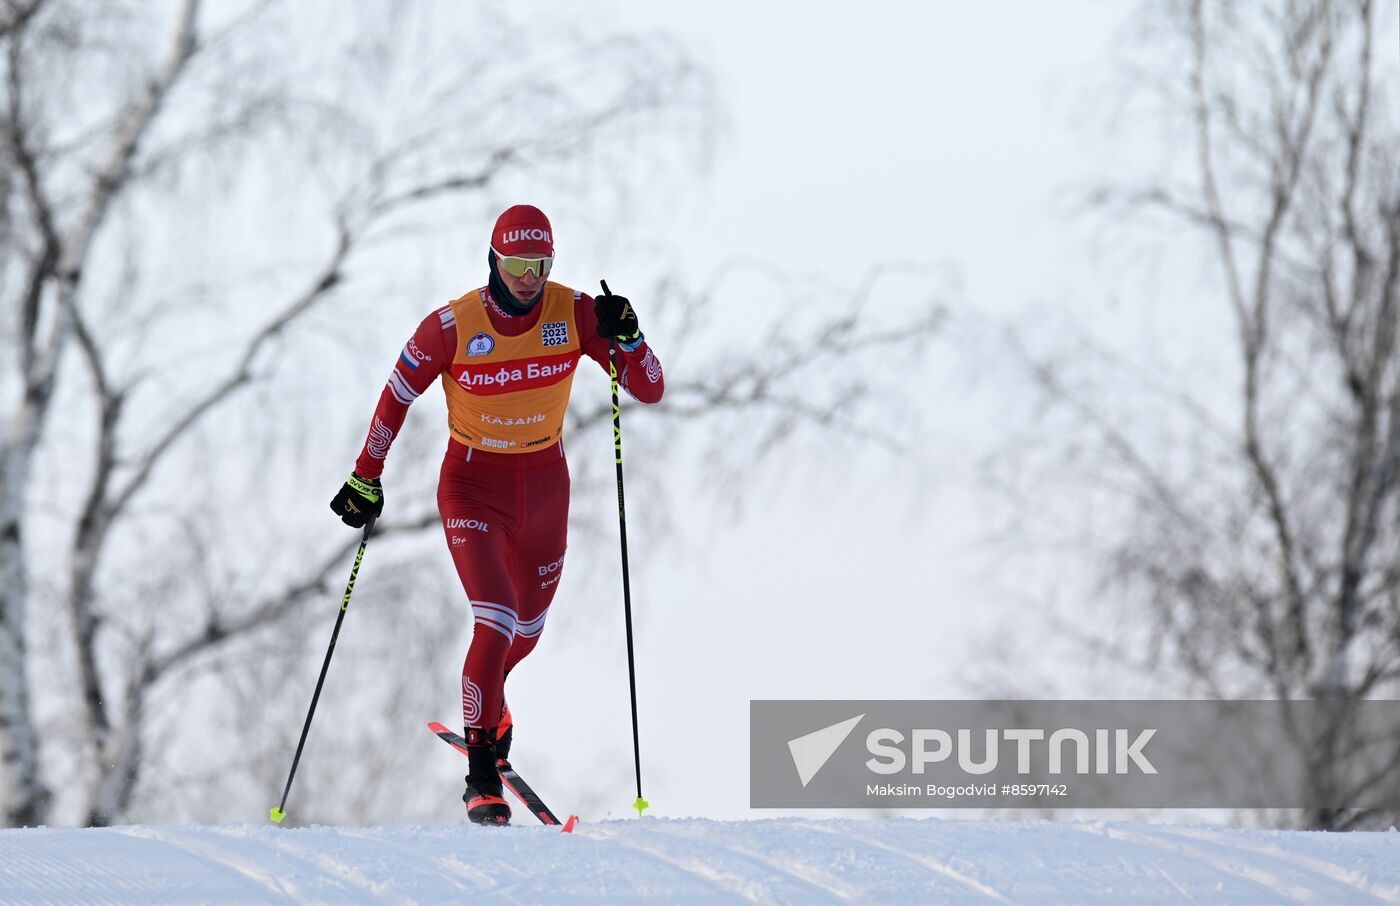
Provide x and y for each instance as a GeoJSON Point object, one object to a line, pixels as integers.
{"type": "Point", "coordinates": [45, 263]}
{"type": "Point", "coordinates": [457, 182]}
{"type": "Point", "coordinates": [1355, 124]}
{"type": "Point", "coordinates": [218, 631]}
{"type": "Point", "coordinates": [17, 14]}
{"type": "Point", "coordinates": [330, 274]}
{"type": "Point", "coordinates": [1206, 164]}
{"type": "Point", "coordinates": [110, 181]}
{"type": "Point", "coordinates": [1122, 446]}
{"type": "Point", "coordinates": [134, 124]}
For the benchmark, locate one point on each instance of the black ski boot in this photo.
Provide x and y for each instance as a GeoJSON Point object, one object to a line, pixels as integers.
{"type": "Point", "coordinates": [505, 732]}
{"type": "Point", "coordinates": [485, 804]}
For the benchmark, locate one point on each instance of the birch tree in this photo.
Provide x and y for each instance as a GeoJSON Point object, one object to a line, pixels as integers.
{"type": "Point", "coordinates": [1262, 521]}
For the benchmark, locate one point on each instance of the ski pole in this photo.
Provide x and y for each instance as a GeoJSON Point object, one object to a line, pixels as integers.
{"type": "Point", "coordinates": [276, 813]}
{"type": "Point", "coordinates": [641, 804]}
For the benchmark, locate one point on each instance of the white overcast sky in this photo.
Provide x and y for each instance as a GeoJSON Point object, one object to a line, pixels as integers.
{"type": "Point", "coordinates": [928, 132]}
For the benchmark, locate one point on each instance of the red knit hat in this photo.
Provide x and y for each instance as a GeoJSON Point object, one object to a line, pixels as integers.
{"type": "Point", "coordinates": [523, 230]}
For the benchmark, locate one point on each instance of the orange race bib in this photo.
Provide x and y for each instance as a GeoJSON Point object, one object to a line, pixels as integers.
{"type": "Point", "coordinates": [508, 394]}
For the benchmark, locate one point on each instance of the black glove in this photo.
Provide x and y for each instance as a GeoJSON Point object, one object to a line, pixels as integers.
{"type": "Point", "coordinates": [358, 500]}
{"type": "Point", "coordinates": [616, 319]}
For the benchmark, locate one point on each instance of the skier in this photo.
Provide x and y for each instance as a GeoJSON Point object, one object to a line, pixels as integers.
{"type": "Point", "coordinates": [506, 353]}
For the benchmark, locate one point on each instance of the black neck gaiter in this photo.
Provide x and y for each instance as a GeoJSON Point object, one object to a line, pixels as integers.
{"type": "Point", "coordinates": [502, 294]}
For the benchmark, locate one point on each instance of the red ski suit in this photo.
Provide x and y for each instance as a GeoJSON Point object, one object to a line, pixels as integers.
{"type": "Point", "coordinates": [503, 492]}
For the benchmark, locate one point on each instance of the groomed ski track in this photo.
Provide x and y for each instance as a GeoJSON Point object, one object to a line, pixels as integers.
{"type": "Point", "coordinates": [693, 861]}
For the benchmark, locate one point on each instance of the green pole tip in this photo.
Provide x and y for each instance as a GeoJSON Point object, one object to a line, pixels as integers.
{"type": "Point", "coordinates": [641, 805]}
{"type": "Point", "coordinates": [276, 814]}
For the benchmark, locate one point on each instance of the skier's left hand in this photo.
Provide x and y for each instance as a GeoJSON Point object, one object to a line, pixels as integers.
{"type": "Point", "coordinates": [616, 319]}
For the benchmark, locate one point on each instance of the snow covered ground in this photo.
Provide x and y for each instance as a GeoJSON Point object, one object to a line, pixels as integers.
{"type": "Point", "coordinates": [690, 861]}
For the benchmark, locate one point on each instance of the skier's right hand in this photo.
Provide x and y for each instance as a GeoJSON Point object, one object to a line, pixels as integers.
{"type": "Point", "coordinates": [616, 319]}
{"type": "Point", "coordinates": [358, 500]}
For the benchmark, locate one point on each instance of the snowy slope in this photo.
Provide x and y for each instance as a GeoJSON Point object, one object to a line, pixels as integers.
{"type": "Point", "coordinates": [684, 861]}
